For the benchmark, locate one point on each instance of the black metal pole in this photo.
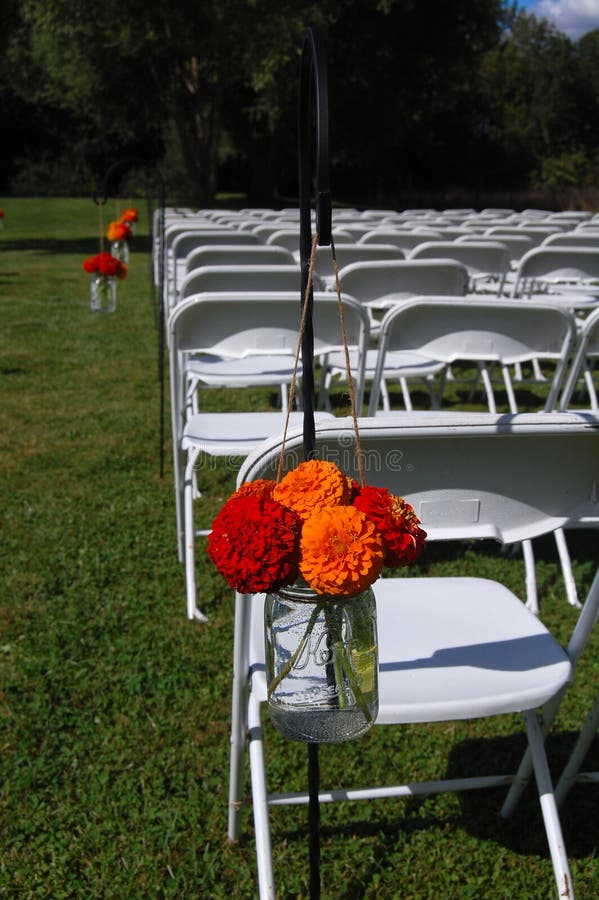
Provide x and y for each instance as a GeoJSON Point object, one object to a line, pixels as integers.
{"type": "Point", "coordinates": [313, 77]}
{"type": "Point", "coordinates": [313, 73]}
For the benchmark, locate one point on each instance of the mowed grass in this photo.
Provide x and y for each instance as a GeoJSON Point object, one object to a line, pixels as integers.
{"type": "Point", "coordinates": [114, 709]}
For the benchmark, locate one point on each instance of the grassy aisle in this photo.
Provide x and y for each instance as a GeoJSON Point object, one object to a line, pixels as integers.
{"type": "Point", "coordinates": [114, 709]}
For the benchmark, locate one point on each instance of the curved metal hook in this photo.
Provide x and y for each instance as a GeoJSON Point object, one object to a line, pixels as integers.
{"type": "Point", "coordinates": [312, 71]}
{"type": "Point", "coordinates": [128, 160]}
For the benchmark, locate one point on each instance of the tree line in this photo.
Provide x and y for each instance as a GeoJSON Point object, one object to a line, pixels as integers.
{"type": "Point", "coordinates": [472, 94]}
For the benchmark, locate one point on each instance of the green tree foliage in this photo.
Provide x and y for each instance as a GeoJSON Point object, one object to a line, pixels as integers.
{"type": "Point", "coordinates": [539, 103]}
{"type": "Point", "coordinates": [467, 92]}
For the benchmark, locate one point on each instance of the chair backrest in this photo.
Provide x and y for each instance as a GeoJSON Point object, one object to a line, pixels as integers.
{"type": "Point", "coordinates": [238, 325]}
{"type": "Point", "coordinates": [557, 263]}
{"type": "Point", "coordinates": [185, 242]}
{"type": "Point", "coordinates": [403, 239]}
{"type": "Point", "coordinates": [505, 332]}
{"type": "Point", "coordinates": [237, 255]}
{"type": "Point", "coordinates": [500, 232]}
{"type": "Point", "coordinates": [517, 245]}
{"type": "Point", "coordinates": [209, 279]}
{"type": "Point", "coordinates": [350, 253]}
{"type": "Point", "coordinates": [587, 348]}
{"type": "Point", "coordinates": [289, 238]}
{"type": "Point", "coordinates": [478, 257]}
{"type": "Point", "coordinates": [572, 239]}
{"type": "Point", "coordinates": [467, 475]}
{"type": "Point", "coordinates": [383, 281]}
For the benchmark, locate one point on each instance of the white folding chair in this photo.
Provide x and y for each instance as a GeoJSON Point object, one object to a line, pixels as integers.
{"type": "Point", "coordinates": [184, 239]}
{"type": "Point", "coordinates": [381, 284]}
{"type": "Point", "coordinates": [210, 279]}
{"type": "Point", "coordinates": [405, 239]}
{"type": "Point", "coordinates": [569, 274]}
{"type": "Point", "coordinates": [248, 336]}
{"type": "Point", "coordinates": [446, 330]}
{"type": "Point", "coordinates": [487, 263]}
{"type": "Point", "coordinates": [449, 648]}
{"type": "Point", "coordinates": [517, 244]}
{"type": "Point", "coordinates": [488, 332]}
{"type": "Point", "coordinates": [235, 254]}
{"type": "Point", "coordinates": [351, 253]}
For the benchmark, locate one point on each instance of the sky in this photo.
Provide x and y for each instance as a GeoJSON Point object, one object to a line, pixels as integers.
{"type": "Point", "coordinates": [573, 17]}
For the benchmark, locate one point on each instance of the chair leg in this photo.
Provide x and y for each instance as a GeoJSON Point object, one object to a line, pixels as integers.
{"type": "Point", "coordinates": [486, 379]}
{"type": "Point", "coordinates": [190, 576]}
{"type": "Point", "coordinates": [266, 880]}
{"type": "Point", "coordinates": [572, 767]}
{"type": "Point", "coordinates": [239, 701]}
{"type": "Point", "coordinates": [532, 601]}
{"type": "Point", "coordinates": [566, 564]}
{"type": "Point", "coordinates": [561, 868]}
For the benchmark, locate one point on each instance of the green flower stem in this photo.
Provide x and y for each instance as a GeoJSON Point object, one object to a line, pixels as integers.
{"type": "Point", "coordinates": [300, 647]}
{"type": "Point", "coordinates": [342, 666]}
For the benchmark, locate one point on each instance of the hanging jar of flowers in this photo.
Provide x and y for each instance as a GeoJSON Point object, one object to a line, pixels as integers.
{"type": "Point", "coordinates": [119, 234]}
{"type": "Point", "coordinates": [314, 542]}
{"type": "Point", "coordinates": [104, 269]}
{"type": "Point", "coordinates": [130, 218]}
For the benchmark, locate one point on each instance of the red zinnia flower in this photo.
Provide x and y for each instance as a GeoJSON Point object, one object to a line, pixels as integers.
{"type": "Point", "coordinates": [105, 264]}
{"type": "Point", "coordinates": [254, 543]}
{"type": "Point", "coordinates": [397, 522]}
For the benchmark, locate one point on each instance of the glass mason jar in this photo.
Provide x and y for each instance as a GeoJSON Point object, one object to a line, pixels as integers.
{"type": "Point", "coordinates": [102, 293]}
{"type": "Point", "coordinates": [120, 251]}
{"type": "Point", "coordinates": [321, 664]}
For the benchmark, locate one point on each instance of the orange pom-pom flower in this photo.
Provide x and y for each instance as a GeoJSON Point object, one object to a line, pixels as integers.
{"type": "Point", "coordinates": [311, 486]}
{"type": "Point", "coordinates": [341, 551]}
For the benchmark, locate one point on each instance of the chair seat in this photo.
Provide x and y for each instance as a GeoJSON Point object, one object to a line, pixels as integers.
{"type": "Point", "coordinates": [255, 370]}
{"type": "Point", "coordinates": [404, 363]}
{"type": "Point", "coordinates": [237, 434]}
{"type": "Point", "coordinates": [452, 648]}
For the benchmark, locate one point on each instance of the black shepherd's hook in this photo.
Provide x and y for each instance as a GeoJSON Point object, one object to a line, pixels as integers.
{"type": "Point", "coordinates": [313, 75]}
{"type": "Point", "coordinates": [159, 311]}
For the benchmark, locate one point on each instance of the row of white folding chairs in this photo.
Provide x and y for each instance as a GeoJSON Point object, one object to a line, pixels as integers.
{"type": "Point", "coordinates": [420, 339]}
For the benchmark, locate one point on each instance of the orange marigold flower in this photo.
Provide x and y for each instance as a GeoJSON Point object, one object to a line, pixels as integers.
{"type": "Point", "coordinates": [341, 551]}
{"type": "Point", "coordinates": [129, 215]}
{"type": "Point", "coordinates": [118, 231]}
{"type": "Point", "coordinates": [311, 486]}
{"type": "Point", "coordinates": [397, 522]}
{"type": "Point", "coordinates": [254, 543]}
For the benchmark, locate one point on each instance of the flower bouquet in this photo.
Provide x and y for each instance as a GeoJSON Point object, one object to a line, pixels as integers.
{"type": "Point", "coordinates": [119, 234]}
{"type": "Point", "coordinates": [104, 268]}
{"type": "Point", "coordinates": [130, 218]}
{"type": "Point", "coordinates": [315, 542]}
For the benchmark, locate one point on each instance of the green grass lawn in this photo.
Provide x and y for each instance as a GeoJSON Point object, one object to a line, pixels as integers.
{"type": "Point", "coordinates": [114, 709]}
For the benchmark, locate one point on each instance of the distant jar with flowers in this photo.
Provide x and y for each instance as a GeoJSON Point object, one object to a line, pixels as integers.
{"type": "Point", "coordinates": [315, 542]}
{"type": "Point", "coordinates": [104, 269]}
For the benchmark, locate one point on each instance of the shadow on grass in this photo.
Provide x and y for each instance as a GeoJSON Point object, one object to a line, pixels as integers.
{"type": "Point", "coordinates": [524, 833]}
{"type": "Point", "coordinates": [83, 245]}
{"type": "Point", "coordinates": [397, 821]}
